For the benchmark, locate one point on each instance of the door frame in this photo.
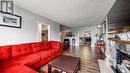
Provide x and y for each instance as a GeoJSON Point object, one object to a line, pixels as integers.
{"type": "Point", "coordinates": [39, 31]}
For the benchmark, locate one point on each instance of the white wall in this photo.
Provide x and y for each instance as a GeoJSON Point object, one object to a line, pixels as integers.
{"type": "Point", "coordinates": [79, 30]}
{"type": "Point", "coordinates": [28, 32]}
{"type": "Point", "coordinates": [55, 32]}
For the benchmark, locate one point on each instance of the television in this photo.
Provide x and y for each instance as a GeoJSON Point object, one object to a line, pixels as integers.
{"type": "Point", "coordinates": [119, 15]}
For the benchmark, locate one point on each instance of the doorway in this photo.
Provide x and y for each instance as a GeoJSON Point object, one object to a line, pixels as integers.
{"type": "Point", "coordinates": [85, 38]}
{"type": "Point", "coordinates": [43, 32]}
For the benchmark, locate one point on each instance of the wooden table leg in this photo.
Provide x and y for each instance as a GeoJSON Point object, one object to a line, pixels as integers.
{"type": "Point", "coordinates": [97, 53]}
{"type": "Point", "coordinates": [79, 65]}
{"type": "Point", "coordinates": [49, 68]}
{"type": "Point", "coordinates": [61, 71]}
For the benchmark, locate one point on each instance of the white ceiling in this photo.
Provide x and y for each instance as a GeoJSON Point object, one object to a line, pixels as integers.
{"type": "Point", "coordinates": [69, 12]}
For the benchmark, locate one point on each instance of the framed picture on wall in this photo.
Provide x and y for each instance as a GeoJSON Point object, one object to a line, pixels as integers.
{"type": "Point", "coordinates": [68, 34]}
{"type": "Point", "coordinates": [104, 27]}
{"type": "Point", "coordinates": [10, 20]}
{"type": "Point", "coordinates": [7, 6]}
{"type": "Point", "coordinates": [100, 28]}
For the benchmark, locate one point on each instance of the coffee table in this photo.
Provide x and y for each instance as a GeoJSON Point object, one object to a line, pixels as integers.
{"type": "Point", "coordinates": [65, 63]}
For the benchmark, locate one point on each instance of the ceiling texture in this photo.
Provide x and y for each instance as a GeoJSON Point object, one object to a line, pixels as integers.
{"type": "Point", "coordinates": [71, 13]}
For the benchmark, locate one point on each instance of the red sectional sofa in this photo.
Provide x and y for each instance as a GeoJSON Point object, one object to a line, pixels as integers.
{"type": "Point", "coordinates": [25, 58]}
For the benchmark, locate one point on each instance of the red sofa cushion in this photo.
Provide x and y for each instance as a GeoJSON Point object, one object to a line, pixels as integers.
{"type": "Point", "coordinates": [5, 53]}
{"type": "Point", "coordinates": [27, 59]}
{"type": "Point", "coordinates": [55, 45]}
{"type": "Point", "coordinates": [45, 61]}
{"type": "Point", "coordinates": [7, 64]}
{"type": "Point", "coordinates": [36, 46]}
{"type": "Point", "coordinates": [53, 51]}
{"type": "Point", "coordinates": [21, 49]}
{"type": "Point", "coordinates": [42, 46]}
{"type": "Point", "coordinates": [47, 45]}
{"type": "Point", "coordinates": [18, 69]}
{"type": "Point", "coordinates": [43, 54]}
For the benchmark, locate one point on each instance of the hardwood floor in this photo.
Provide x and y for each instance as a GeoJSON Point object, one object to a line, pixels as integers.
{"type": "Point", "coordinates": [87, 57]}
